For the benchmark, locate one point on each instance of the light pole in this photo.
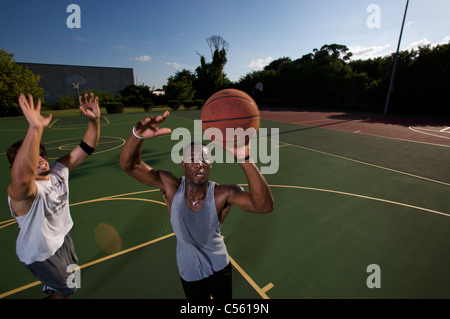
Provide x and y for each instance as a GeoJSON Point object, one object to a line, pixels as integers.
{"type": "Point", "coordinates": [395, 62]}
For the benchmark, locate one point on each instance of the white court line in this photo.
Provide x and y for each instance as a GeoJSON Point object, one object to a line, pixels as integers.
{"type": "Point", "coordinates": [311, 121]}
{"type": "Point", "coordinates": [445, 129]}
{"type": "Point", "coordinates": [364, 163]}
{"type": "Point", "coordinates": [415, 130]}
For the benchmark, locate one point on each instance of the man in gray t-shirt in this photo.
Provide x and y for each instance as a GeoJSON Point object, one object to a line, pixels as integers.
{"type": "Point", "coordinates": [38, 196]}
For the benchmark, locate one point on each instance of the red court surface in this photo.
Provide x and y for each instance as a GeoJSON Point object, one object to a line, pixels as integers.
{"type": "Point", "coordinates": [429, 131]}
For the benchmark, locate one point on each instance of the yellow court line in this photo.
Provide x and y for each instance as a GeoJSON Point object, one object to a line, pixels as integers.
{"type": "Point", "coordinates": [124, 198]}
{"type": "Point", "coordinates": [107, 121]}
{"type": "Point", "coordinates": [77, 142]}
{"type": "Point", "coordinates": [268, 287]}
{"type": "Point", "coordinates": [121, 140]}
{"type": "Point", "coordinates": [134, 193]}
{"type": "Point", "coordinates": [13, 222]}
{"type": "Point", "coordinates": [261, 291]}
{"type": "Point", "coordinates": [126, 251]}
{"type": "Point", "coordinates": [113, 197]}
{"type": "Point", "coordinates": [11, 292]}
{"type": "Point", "coordinates": [249, 280]}
{"type": "Point", "coordinates": [360, 196]}
{"type": "Point", "coordinates": [50, 126]}
{"type": "Point", "coordinates": [7, 221]}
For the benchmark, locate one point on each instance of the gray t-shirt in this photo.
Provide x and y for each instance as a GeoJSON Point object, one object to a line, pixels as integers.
{"type": "Point", "coordinates": [43, 228]}
{"type": "Point", "coordinates": [200, 246]}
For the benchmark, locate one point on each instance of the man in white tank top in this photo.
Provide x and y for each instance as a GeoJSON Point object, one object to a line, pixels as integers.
{"type": "Point", "coordinates": [202, 258]}
{"type": "Point", "coordinates": [38, 196]}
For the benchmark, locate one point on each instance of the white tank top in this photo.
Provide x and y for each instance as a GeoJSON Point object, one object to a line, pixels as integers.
{"type": "Point", "coordinates": [43, 228]}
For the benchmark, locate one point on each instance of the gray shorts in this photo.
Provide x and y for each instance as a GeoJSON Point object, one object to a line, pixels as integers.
{"type": "Point", "coordinates": [53, 271]}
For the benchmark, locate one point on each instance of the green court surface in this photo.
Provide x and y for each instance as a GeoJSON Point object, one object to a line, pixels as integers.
{"type": "Point", "coordinates": [343, 202]}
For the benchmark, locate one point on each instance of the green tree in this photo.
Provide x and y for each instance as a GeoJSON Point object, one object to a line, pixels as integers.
{"type": "Point", "coordinates": [327, 79]}
{"type": "Point", "coordinates": [275, 65]}
{"type": "Point", "coordinates": [180, 86]}
{"type": "Point", "coordinates": [210, 76]}
{"type": "Point", "coordinates": [14, 80]}
{"type": "Point", "coordinates": [135, 95]}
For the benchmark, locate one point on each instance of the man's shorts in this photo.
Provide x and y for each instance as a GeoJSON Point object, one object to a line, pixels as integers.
{"type": "Point", "coordinates": [54, 270]}
{"type": "Point", "coordinates": [218, 286]}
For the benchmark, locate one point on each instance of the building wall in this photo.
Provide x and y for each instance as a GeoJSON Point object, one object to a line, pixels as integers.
{"type": "Point", "coordinates": [53, 78]}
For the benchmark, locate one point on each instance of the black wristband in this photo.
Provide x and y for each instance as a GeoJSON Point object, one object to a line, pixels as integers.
{"type": "Point", "coordinates": [86, 148]}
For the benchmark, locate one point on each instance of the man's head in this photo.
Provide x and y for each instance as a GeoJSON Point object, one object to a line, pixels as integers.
{"type": "Point", "coordinates": [197, 162]}
{"type": "Point", "coordinates": [43, 168]}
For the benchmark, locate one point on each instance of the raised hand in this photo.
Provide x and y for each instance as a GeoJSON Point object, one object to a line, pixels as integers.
{"type": "Point", "coordinates": [239, 149]}
{"type": "Point", "coordinates": [89, 106]}
{"type": "Point", "coordinates": [32, 113]}
{"type": "Point", "coordinates": [149, 127]}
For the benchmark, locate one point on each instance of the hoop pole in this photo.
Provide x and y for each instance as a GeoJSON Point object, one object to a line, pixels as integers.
{"type": "Point", "coordinates": [391, 82]}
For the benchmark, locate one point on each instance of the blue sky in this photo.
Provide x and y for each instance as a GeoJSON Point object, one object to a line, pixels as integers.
{"type": "Point", "coordinates": [159, 38]}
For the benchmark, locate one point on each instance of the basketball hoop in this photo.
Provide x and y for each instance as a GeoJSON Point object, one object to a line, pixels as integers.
{"type": "Point", "coordinates": [258, 86]}
{"type": "Point", "coordinates": [76, 80]}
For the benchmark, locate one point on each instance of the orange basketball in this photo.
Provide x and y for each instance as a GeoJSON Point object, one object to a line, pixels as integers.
{"type": "Point", "coordinates": [230, 108]}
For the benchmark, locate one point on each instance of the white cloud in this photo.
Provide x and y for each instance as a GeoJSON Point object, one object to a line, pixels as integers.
{"type": "Point", "coordinates": [79, 39]}
{"type": "Point", "coordinates": [445, 40]}
{"type": "Point", "coordinates": [416, 44]}
{"type": "Point", "coordinates": [260, 63]}
{"type": "Point", "coordinates": [362, 53]}
{"type": "Point", "coordinates": [177, 66]}
{"type": "Point", "coordinates": [118, 47]}
{"type": "Point", "coordinates": [144, 58]}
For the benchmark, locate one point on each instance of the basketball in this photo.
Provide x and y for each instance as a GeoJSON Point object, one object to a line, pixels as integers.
{"type": "Point", "coordinates": [232, 109]}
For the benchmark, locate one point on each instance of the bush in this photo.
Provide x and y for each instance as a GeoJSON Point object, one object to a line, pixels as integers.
{"type": "Point", "coordinates": [159, 99]}
{"type": "Point", "coordinates": [198, 104]}
{"type": "Point", "coordinates": [174, 104]}
{"type": "Point", "coordinates": [114, 107]}
{"type": "Point", "coordinates": [103, 96]}
{"type": "Point", "coordinates": [12, 109]}
{"type": "Point", "coordinates": [66, 102]}
{"type": "Point", "coordinates": [147, 106]}
{"type": "Point", "coordinates": [188, 104]}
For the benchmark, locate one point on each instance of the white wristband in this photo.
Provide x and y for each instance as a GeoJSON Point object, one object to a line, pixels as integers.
{"type": "Point", "coordinates": [134, 133]}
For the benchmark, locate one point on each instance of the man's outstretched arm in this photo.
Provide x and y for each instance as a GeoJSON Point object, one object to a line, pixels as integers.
{"type": "Point", "coordinates": [23, 186]}
{"type": "Point", "coordinates": [130, 156]}
{"type": "Point", "coordinates": [90, 109]}
{"type": "Point", "coordinates": [259, 198]}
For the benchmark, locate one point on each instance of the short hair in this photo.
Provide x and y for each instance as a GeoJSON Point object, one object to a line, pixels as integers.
{"type": "Point", "coordinates": [13, 149]}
